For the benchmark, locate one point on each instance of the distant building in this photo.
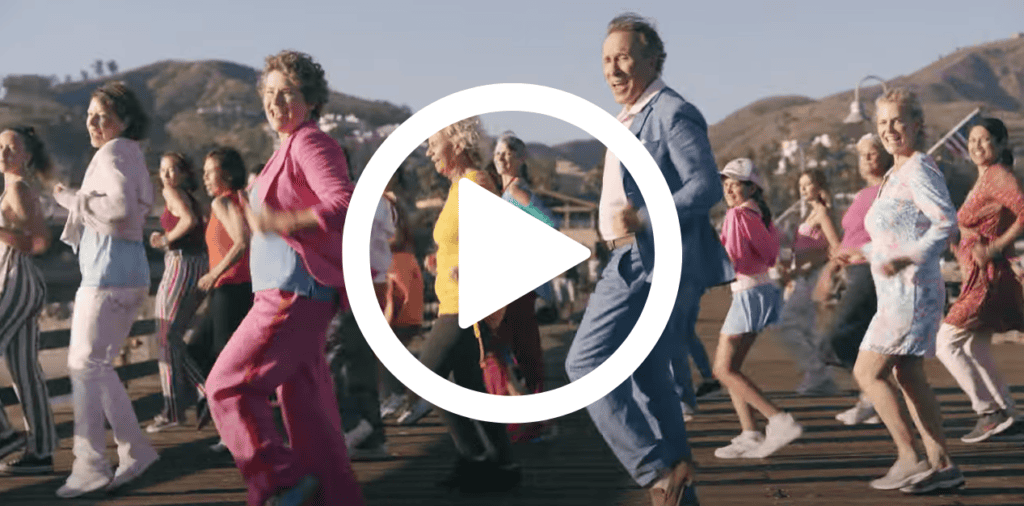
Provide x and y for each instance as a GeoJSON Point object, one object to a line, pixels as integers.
{"type": "Point", "coordinates": [569, 177]}
{"type": "Point", "coordinates": [578, 216]}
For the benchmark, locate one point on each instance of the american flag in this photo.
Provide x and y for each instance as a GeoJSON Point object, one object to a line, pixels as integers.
{"type": "Point", "coordinates": [956, 139]}
{"type": "Point", "coordinates": [957, 142]}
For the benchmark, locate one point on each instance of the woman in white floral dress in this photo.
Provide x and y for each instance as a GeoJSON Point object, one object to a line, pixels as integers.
{"type": "Point", "coordinates": [910, 223]}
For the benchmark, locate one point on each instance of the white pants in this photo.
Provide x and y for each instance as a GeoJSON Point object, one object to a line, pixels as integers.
{"type": "Point", "coordinates": [100, 325]}
{"type": "Point", "coordinates": [968, 357]}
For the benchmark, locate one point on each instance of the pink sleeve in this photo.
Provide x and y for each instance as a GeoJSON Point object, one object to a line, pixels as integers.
{"type": "Point", "coordinates": [751, 246]}
{"type": "Point", "coordinates": [322, 161]}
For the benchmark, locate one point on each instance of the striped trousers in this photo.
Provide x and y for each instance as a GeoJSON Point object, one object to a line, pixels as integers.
{"type": "Point", "coordinates": [22, 294]}
{"type": "Point", "coordinates": [177, 300]}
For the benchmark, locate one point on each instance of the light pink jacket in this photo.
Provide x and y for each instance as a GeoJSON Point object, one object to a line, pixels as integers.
{"type": "Point", "coordinates": [309, 171]}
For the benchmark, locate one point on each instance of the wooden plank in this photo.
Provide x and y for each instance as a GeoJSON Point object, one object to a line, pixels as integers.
{"type": "Point", "coordinates": [62, 386]}
{"type": "Point", "coordinates": [830, 465]}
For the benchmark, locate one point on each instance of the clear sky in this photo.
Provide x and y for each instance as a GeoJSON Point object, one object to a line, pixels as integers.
{"type": "Point", "coordinates": [721, 55]}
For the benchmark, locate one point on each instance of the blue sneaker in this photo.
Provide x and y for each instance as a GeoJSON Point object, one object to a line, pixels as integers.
{"type": "Point", "coordinates": [297, 495]}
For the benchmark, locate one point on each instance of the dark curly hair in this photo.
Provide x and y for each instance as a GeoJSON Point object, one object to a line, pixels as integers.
{"type": "Point", "coordinates": [306, 72]}
{"type": "Point", "coordinates": [122, 100]}
{"type": "Point", "coordinates": [997, 130]}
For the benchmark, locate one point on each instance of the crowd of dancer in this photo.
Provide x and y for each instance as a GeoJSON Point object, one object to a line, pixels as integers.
{"type": "Point", "coordinates": [267, 261]}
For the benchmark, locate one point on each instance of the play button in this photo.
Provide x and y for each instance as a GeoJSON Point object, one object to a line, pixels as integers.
{"type": "Point", "coordinates": [504, 253]}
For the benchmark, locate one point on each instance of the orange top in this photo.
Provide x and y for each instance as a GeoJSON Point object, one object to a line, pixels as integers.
{"type": "Point", "coordinates": [218, 242]}
{"type": "Point", "coordinates": [405, 286]}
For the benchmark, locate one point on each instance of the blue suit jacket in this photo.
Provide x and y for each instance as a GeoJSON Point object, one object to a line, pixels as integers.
{"type": "Point", "coordinates": [676, 135]}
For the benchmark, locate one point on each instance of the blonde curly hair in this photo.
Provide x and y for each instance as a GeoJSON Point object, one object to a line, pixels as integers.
{"type": "Point", "coordinates": [467, 138]}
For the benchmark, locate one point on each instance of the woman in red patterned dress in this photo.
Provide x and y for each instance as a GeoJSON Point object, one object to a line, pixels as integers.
{"type": "Point", "coordinates": [990, 299]}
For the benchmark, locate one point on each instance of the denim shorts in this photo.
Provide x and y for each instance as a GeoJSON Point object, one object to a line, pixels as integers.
{"type": "Point", "coordinates": [753, 309]}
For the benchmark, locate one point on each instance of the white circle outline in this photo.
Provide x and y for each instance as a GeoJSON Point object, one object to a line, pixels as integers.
{"type": "Point", "coordinates": [500, 98]}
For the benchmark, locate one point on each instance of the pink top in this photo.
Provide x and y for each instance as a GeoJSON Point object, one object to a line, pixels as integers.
{"type": "Point", "coordinates": [752, 248]}
{"type": "Point", "coordinates": [809, 237]}
{"type": "Point", "coordinates": [309, 171]}
{"type": "Point", "coordinates": [855, 236]}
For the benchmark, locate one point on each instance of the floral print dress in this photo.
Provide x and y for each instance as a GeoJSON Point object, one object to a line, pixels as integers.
{"type": "Point", "coordinates": [911, 217]}
{"type": "Point", "coordinates": [990, 298]}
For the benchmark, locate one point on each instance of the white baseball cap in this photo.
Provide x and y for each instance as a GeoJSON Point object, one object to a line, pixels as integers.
{"type": "Point", "coordinates": [742, 169]}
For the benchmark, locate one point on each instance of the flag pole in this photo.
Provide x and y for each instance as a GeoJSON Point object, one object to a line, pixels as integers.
{"type": "Point", "coordinates": [952, 131]}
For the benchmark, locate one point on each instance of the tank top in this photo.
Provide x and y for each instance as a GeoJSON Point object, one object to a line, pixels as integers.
{"type": "Point", "coordinates": [192, 241]}
{"type": "Point", "coordinates": [809, 237]}
{"type": "Point", "coordinates": [218, 242]}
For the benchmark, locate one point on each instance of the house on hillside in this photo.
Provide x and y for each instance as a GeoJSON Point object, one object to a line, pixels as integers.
{"type": "Point", "coordinates": [569, 177]}
{"type": "Point", "coordinates": [578, 216]}
{"type": "Point", "coordinates": [29, 93]}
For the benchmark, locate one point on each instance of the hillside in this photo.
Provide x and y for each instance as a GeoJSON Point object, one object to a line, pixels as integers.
{"type": "Point", "coordinates": [990, 76]}
{"type": "Point", "coordinates": [193, 106]}
{"type": "Point", "coordinates": [196, 105]}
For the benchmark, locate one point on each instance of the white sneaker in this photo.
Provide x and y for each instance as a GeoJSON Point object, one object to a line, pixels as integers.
{"type": "Point", "coordinates": [858, 414]}
{"type": "Point", "coordinates": [128, 471]}
{"type": "Point", "coordinates": [418, 410]}
{"type": "Point", "coordinates": [782, 429]}
{"type": "Point", "coordinates": [392, 404]}
{"type": "Point", "coordinates": [745, 442]}
{"type": "Point", "coordinates": [77, 485]}
{"type": "Point", "coordinates": [358, 434]}
{"type": "Point", "coordinates": [900, 476]}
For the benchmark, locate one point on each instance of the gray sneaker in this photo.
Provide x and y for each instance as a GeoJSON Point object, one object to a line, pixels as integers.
{"type": "Point", "coordinates": [988, 425]}
{"type": "Point", "coordinates": [900, 476]}
{"type": "Point", "coordinates": [936, 479]}
{"type": "Point", "coordinates": [373, 453]}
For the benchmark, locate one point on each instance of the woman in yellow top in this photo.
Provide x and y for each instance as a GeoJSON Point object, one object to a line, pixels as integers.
{"type": "Point", "coordinates": [485, 460]}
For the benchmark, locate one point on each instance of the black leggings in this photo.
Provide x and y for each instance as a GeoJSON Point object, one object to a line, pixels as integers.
{"type": "Point", "coordinates": [453, 351]}
{"type": "Point", "coordinates": [854, 313]}
{"type": "Point", "coordinates": [226, 308]}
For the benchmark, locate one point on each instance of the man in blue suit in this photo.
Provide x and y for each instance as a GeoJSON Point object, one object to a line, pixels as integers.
{"type": "Point", "coordinates": [642, 420]}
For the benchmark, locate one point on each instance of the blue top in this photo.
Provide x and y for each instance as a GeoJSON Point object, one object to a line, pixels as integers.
{"type": "Point", "coordinates": [538, 210]}
{"type": "Point", "coordinates": [275, 265]}
{"type": "Point", "coordinates": [535, 208]}
{"type": "Point", "coordinates": [108, 262]}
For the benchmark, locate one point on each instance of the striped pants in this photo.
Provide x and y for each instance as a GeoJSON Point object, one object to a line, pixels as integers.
{"type": "Point", "coordinates": [22, 294]}
{"type": "Point", "coordinates": [177, 300]}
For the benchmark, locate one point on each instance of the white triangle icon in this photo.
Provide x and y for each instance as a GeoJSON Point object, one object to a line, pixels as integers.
{"type": "Point", "coordinates": [504, 252]}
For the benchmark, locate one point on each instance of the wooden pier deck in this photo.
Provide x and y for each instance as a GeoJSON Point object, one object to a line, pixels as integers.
{"type": "Point", "coordinates": [830, 465]}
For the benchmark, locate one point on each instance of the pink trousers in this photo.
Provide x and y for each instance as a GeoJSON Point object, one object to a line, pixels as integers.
{"type": "Point", "coordinates": [280, 346]}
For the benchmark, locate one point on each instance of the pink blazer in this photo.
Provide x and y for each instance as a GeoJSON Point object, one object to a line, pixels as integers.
{"type": "Point", "coordinates": [309, 171]}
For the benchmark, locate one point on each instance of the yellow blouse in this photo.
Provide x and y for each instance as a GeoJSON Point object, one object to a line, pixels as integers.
{"type": "Point", "coordinates": [446, 235]}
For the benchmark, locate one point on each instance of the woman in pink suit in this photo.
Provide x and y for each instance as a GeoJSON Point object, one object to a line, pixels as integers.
{"type": "Point", "coordinates": [296, 209]}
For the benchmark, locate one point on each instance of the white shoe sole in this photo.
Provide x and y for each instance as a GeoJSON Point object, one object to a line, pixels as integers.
{"type": "Point", "coordinates": [921, 469]}
{"type": "Point", "coordinates": [132, 473]}
{"type": "Point", "coordinates": [67, 492]}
